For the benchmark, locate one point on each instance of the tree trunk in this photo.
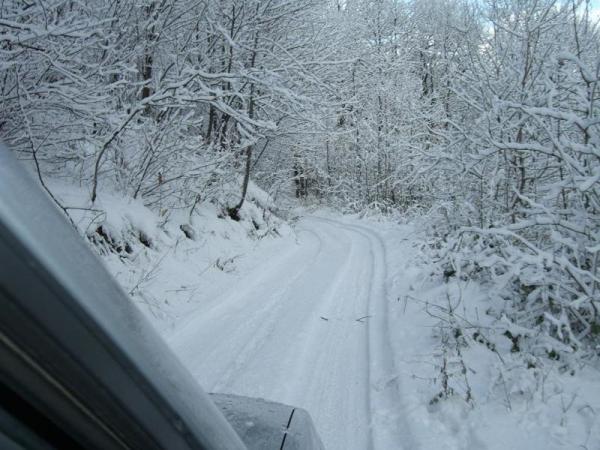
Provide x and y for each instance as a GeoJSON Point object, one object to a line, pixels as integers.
{"type": "Point", "coordinates": [234, 212]}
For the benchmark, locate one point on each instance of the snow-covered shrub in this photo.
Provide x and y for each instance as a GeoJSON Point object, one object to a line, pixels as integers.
{"type": "Point", "coordinates": [525, 215]}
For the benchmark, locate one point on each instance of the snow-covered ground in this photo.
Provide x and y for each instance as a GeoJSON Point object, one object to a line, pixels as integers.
{"type": "Point", "coordinates": [338, 315]}
{"type": "Point", "coordinates": [306, 326]}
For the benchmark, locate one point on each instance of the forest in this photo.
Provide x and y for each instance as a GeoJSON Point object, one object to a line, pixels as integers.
{"type": "Point", "coordinates": [477, 122]}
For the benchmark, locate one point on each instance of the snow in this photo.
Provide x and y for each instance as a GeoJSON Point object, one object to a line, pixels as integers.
{"type": "Point", "coordinates": [340, 316]}
{"type": "Point", "coordinates": [515, 405]}
{"type": "Point", "coordinates": [288, 332]}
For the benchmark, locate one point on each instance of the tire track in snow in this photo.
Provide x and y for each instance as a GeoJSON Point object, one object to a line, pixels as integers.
{"type": "Point", "coordinates": [267, 338]}
{"type": "Point", "coordinates": [336, 393]}
{"type": "Point", "coordinates": [251, 281]}
{"type": "Point", "coordinates": [393, 429]}
{"type": "Point", "coordinates": [195, 343]}
{"type": "Point", "coordinates": [265, 326]}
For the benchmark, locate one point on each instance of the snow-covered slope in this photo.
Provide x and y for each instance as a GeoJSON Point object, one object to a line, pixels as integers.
{"type": "Point", "coordinates": [171, 261]}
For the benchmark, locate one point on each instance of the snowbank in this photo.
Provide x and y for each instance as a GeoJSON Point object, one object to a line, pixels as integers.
{"type": "Point", "coordinates": [170, 261]}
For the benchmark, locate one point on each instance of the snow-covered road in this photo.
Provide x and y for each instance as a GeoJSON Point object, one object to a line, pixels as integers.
{"type": "Point", "coordinates": [307, 327]}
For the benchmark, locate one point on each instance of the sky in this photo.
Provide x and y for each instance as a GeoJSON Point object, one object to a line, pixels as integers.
{"type": "Point", "coordinates": [595, 8]}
